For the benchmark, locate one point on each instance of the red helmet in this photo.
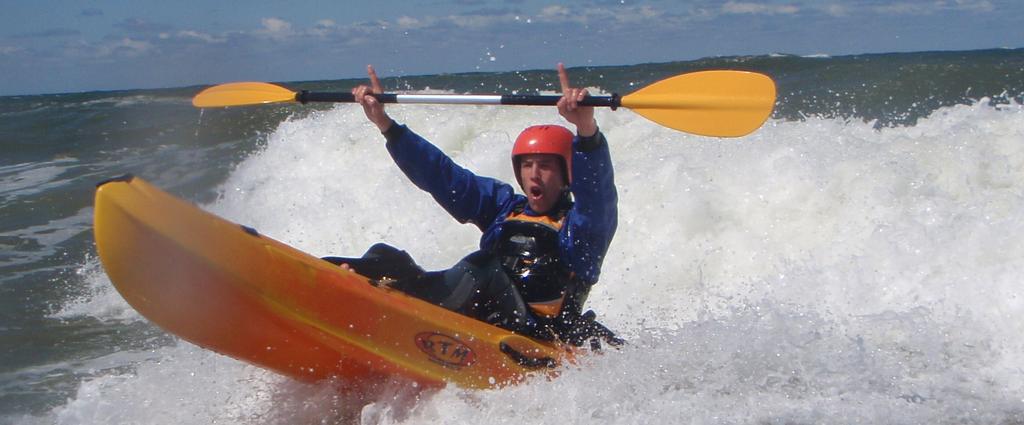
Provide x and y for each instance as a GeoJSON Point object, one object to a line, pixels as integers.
{"type": "Point", "coordinates": [544, 139]}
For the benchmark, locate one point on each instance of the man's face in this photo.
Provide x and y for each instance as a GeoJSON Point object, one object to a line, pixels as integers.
{"type": "Point", "coordinates": [542, 180]}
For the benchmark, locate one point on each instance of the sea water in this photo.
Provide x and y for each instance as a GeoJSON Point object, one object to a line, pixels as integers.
{"type": "Point", "coordinates": [856, 260]}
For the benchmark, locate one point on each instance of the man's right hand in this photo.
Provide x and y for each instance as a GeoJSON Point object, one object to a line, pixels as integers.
{"type": "Point", "coordinates": [374, 110]}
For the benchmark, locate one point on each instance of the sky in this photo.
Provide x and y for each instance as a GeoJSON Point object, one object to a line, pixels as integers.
{"type": "Point", "coordinates": [57, 46]}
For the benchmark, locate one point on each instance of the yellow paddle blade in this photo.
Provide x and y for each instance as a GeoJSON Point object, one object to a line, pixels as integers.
{"type": "Point", "coordinates": [238, 94]}
{"type": "Point", "coordinates": [708, 103]}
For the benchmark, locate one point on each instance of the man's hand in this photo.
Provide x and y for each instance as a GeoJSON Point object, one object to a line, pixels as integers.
{"type": "Point", "coordinates": [374, 110]}
{"type": "Point", "coordinates": [568, 106]}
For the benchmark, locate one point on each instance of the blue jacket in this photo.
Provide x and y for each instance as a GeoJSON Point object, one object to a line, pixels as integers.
{"type": "Point", "coordinates": [486, 202]}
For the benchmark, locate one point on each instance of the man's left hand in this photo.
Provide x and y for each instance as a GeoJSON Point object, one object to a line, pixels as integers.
{"type": "Point", "coordinates": [568, 106]}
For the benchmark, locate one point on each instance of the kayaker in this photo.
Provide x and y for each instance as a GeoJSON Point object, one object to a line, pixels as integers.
{"type": "Point", "coordinates": [540, 252]}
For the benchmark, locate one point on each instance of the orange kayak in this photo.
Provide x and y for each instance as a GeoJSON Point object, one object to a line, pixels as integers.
{"type": "Point", "coordinates": [229, 289]}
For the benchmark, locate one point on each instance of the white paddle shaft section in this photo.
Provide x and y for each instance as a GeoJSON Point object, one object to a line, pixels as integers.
{"type": "Point", "coordinates": [450, 99]}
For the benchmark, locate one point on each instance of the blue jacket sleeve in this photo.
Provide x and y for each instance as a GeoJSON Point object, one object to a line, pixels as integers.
{"type": "Point", "coordinates": [466, 196]}
{"type": "Point", "coordinates": [591, 223]}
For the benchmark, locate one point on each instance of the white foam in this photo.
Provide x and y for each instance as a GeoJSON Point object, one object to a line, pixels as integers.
{"type": "Point", "coordinates": [814, 272]}
{"type": "Point", "coordinates": [33, 244]}
{"type": "Point", "coordinates": [184, 384]}
{"type": "Point", "coordinates": [26, 179]}
{"type": "Point", "coordinates": [98, 298]}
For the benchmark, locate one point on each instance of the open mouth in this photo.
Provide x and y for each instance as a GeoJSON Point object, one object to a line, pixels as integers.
{"type": "Point", "coordinates": [536, 192]}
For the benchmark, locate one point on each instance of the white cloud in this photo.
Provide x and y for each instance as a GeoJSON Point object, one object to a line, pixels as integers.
{"type": "Point", "coordinates": [480, 21]}
{"type": "Point", "coordinates": [975, 5]}
{"type": "Point", "coordinates": [930, 7]}
{"type": "Point", "coordinates": [554, 12]}
{"type": "Point", "coordinates": [323, 27]}
{"type": "Point", "coordinates": [560, 14]}
{"type": "Point", "coordinates": [750, 8]}
{"type": "Point", "coordinates": [137, 46]}
{"type": "Point", "coordinates": [407, 22]}
{"type": "Point", "coordinates": [903, 8]}
{"type": "Point", "coordinates": [631, 15]}
{"type": "Point", "coordinates": [195, 35]}
{"type": "Point", "coordinates": [836, 10]}
{"type": "Point", "coordinates": [9, 50]}
{"type": "Point", "coordinates": [275, 27]}
{"type": "Point", "coordinates": [125, 46]}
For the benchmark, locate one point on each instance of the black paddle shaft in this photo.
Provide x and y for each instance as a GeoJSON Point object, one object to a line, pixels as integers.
{"type": "Point", "coordinates": [613, 101]}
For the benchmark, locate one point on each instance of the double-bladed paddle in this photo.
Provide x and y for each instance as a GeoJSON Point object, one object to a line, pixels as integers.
{"type": "Point", "coordinates": [708, 103]}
